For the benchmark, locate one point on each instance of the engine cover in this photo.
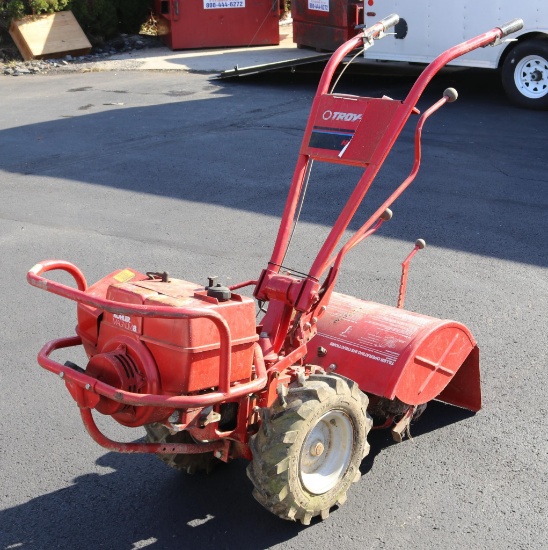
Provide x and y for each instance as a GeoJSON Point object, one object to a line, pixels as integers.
{"type": "Point", "coordinates": [185, 352]}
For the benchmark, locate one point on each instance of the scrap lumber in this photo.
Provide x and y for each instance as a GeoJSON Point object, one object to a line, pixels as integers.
{"type": "Point", "coordinates": [47, 36]}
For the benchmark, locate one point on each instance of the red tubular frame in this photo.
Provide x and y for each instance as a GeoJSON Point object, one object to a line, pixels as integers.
{"type": "Point", "coordinates": [157, 448]}
{"type": "Point", "coordinates": [307, 296]}
{"type": "Point", "coordinates": [144, 399]}
{"type": "Point", "coordinates": [392, 132]}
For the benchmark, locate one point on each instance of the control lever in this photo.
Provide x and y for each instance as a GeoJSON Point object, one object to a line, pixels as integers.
{"type": "Point", "coordinates": [419, 245]}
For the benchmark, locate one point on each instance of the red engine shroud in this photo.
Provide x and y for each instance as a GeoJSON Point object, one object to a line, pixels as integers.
{"type": "Point", "coordinates": [168, 356]}
{"type": "Point", "coordinates": [187, 349]}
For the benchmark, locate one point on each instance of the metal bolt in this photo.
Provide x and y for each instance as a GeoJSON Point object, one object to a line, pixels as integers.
{"type": "Point", "coordinates": [61, 375]}
{"type": "Point", "coordinates": [322, 352]}
{"type": "Point", "coordinates": [332, 366]}
{"type": "Point", "coordinates": [323, 308]}
{"type": "Point", "coordinates": [88, 387]}
{"type": "Point", "coordinates": [317, 448]}
{"type": "Point", "coordinates": [307, 326]}
{"type": "Point", "coordinates": [218, 454]}
{"type": "Point", "coordinates": [314, 320]}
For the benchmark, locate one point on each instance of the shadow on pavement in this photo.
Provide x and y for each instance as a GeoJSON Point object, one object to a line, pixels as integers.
{"type": "Point", "coordinates": [481, 188]}
{"type": "Point", "coordinates": [436, 416]}
{"type": "Point", "coordinates": [140, 504]}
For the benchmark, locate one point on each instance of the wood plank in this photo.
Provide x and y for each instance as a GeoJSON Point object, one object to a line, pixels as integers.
{"type": "Point", "coordinates": [51, 35]}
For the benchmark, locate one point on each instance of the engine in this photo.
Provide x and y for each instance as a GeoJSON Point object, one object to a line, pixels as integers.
{"type": "Point", "coordinates": [162, 356]}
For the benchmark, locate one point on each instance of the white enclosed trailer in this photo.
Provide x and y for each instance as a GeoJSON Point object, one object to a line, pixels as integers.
{"type": "Point", "coordinates": [428, 27]}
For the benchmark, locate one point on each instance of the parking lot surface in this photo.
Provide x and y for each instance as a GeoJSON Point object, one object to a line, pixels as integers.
{"type": "Point", "coordinates": [171, 171]}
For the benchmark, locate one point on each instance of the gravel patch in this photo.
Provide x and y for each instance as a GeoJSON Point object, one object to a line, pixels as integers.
{"type": "Point", "coordinates": [100, 58]}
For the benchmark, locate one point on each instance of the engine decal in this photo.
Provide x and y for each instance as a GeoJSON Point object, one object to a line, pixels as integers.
{"type": "Point", "coordinates": [124, 321]}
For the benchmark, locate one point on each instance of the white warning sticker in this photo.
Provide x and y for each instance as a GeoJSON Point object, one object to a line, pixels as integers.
{"type": "Point", "coordinates": [318, 5]}
{"type": "Point", "coordinates": [223, 4]}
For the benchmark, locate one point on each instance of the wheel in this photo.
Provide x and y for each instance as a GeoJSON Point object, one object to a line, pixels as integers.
{"type": "Point", "coordinates": [525, 74]}
{"type": "Point", "coordinates": [191, 463]}
{"type": "Point", "coordinates": [309, 447]}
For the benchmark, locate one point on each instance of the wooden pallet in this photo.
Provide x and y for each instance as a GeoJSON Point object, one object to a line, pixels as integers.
{"type": "Point", "coordinates": [47, 36]}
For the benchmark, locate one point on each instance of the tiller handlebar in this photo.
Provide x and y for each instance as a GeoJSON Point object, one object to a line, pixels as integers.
{"type": "Point", "coordinates": [356, 131]}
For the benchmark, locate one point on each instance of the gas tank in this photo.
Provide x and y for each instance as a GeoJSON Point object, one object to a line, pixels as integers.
{"type": "Point", "coordinates": [395, 353]}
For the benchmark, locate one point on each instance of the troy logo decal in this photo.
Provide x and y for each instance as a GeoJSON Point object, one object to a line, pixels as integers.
{"type": "Point", "coordinates": [347, 117]}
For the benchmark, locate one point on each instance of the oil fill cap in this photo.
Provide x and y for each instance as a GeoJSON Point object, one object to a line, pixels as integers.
{"type": "Point", "coordinates": [221, 293]}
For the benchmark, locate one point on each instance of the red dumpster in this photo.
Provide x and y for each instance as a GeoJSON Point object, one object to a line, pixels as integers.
{"type": "Point", "coordinates": [218, 23]}
{"type": "Point", "coordinates": [325, 24]}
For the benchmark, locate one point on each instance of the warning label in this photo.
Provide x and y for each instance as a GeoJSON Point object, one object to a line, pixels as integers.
{"type": "Point", "coordinates": [124, 276]}
{"type": "Point", "coordinates": [389, 360]}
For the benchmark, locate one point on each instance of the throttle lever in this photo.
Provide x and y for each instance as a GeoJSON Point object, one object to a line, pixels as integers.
{"type": "Point", "coordinates": [419, 245]}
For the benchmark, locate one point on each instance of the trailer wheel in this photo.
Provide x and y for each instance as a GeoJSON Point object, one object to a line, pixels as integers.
{"type": "Point", "coordinates": [525, 74]}
{"type": "Point", "coordinates": [191, 463]}
{"type": "Point", "coordinates": [309, 448]}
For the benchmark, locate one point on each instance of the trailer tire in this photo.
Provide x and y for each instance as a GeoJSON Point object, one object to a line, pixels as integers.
{"type": "Point", "coordinates": [525, 74]}
{"type": "Point", "coordinates": [309, 448]}
{"type": "Point", "coordinates": [189, 463]}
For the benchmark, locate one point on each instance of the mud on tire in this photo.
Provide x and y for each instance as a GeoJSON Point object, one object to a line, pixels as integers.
{"type": "Point", "coordinates": [308, 451]}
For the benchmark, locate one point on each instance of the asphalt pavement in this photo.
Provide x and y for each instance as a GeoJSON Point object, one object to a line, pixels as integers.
{"type": "Point", "coordinates": [172, 171]}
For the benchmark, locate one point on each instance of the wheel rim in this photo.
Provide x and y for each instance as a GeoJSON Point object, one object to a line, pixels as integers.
{"type": "Point", "coordinates": [326, 452]}
{"type": "Point", "coordinates": [531, 76]}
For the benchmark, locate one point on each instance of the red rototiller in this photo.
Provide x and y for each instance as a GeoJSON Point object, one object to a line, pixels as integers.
{"type": "Point", "coordinates": [298, 393]}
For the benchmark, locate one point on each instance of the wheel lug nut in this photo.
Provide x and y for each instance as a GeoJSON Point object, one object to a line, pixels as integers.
{"type": "Point", "coordinates": [316, 448]}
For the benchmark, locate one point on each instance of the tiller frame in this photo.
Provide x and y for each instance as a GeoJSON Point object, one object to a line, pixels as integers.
{"type": "Point", "coordinates": [341, 129]}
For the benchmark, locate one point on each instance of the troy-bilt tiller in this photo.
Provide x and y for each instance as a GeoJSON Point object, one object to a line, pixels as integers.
{"type": "Point", "coordinates": [298, 393]}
